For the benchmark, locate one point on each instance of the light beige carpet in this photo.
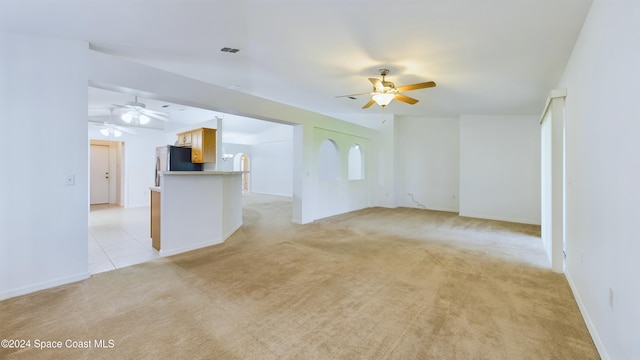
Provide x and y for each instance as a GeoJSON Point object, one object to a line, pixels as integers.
{"type": "Point", "coordinates": [372, 284]}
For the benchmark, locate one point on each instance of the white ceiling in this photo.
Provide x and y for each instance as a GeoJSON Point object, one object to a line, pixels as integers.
{"type": "Point", "coordinates": [487, 57]}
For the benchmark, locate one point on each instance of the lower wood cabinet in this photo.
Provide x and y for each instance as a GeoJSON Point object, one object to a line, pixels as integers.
{"type": "Point", "coordinates": [155, 219]}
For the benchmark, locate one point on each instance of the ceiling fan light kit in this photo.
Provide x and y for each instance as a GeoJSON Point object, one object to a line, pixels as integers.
{"type": "Point", "coordinates": [383, 99]}
{"type": "Point", "coordinates": [110, 131]}
{"type": "Point", "coordinates": [385, 91]}
{"type": "Point", "coordinates": [133, 116]}
{"type": "Point", "coordinates": [137, 112]}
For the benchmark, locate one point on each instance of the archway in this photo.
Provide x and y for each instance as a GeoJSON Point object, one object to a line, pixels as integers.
{"type": "Point", "coordinates": [241, 163]}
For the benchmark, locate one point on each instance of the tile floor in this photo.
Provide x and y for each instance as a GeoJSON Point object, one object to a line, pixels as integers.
{"type": "Point", "coordinates": [118, 237]}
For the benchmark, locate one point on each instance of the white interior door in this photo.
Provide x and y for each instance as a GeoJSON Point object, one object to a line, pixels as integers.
{"type": "Point", "coordinates": [99, 176]}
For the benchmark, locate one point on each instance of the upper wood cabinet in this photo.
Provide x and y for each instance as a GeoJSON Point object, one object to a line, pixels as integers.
{"type": "Point", "coordinates": [184, 139]}
{"type": "Point", "coordinates": [202, 142]}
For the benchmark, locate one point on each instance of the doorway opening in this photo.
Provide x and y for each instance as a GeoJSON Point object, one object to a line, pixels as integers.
{"type": "Point", "coordinates": [118, 235]}
{"type": "Point", "coordinates": [105, 172]}
{"type": "Point", "coordinates": [241, 163]}
{"type": "Point", "coordinates": [552, 131]}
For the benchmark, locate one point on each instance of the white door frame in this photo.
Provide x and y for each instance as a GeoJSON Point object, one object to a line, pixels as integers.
{"type": "Point", "coordinates": [116, 170]}
{"type": "Point", "coordinates": [553, 182]}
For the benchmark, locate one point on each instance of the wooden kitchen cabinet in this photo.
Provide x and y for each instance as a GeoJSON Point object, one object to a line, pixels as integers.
{"type": "Point", "coordinates": [202, 142]}
{"type": "Point", "coordinates": [184, 139]}
{"type": "Point", "coordinates": [155, 219]}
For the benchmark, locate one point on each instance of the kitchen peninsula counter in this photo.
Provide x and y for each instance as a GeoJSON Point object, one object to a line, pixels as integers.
{"type": "Point", "coordinates": [198, 209]}
{"type": "Point", "coordinates": [200, 173]}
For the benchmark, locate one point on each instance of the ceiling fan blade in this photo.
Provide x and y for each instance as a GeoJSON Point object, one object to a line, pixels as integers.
{"type": "Point", "coordinates": [161, 118]}
{"type": "Point", "coordinates": [408, 100]}
{"type": "Point", "coordinates": [371, 102]}
{"type": "Point", "coordinates": [155, 114]}
{"type": "Point", "coordinates": [354, 95]}
{"type": "Point", "coordinates": [423, 85]}
{"type": "Point", "coordinates": [106, 125]}
{"type": "Point", "coordinates": [130, 131]}
{"type": "Point", "coordinates": [377, 84]}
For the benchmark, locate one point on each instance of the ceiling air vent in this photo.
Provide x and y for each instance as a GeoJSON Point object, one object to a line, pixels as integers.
{"type": "Point", "coordinates": [229, 50]}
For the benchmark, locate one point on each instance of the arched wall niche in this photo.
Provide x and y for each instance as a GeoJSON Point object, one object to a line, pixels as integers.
{"type": "Point", "coordinates": [329, 161]}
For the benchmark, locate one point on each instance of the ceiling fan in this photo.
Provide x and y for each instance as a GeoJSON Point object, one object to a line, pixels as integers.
{"type": "Point", "coordinates": [137, 112]}
{"type": "Point", "coordinates": [385, 91]}
{"type": "Point", "coordinates": [108, 129]}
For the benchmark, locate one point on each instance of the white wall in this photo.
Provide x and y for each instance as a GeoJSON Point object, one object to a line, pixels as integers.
{"type": "Point", "coordinates": [427, 156]}
{"type": "Point", "coordinates": [139, 165]}
{"type": "Point", "coordinates": [339, 194]}
{"type": "Point", "coordinates": [384, 158]}
{"type": "Point", "coordinates": [43, 116]}
{"type": "Point", "coordinates": [271, 162]}
{"type": "Point", "coordinates": [271, 168]}
{"type": "Point", "coordinates": [500, 168]}
{"type": "Point", "coordinates": [603, 175]}
{"type": "Point", "coordinates": [480, 166]}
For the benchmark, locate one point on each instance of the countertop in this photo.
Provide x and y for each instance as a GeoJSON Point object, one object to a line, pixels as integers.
{"type": "Point", "coordinates": [200, 173]}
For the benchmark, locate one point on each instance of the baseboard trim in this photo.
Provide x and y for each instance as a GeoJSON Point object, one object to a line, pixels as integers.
{"type": "Point", "coordinates": [499, 218]}
{"type": "Point", "coordinates": [44, 285]}
{"type": "Point", "coordinates": [181, 250]}
{"type": "Point", "coordinates": [450, 210]}
{"type": "Point", "coordinates": [227, 235]}
{"type": "Point", "coordinates": [587, 319]}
